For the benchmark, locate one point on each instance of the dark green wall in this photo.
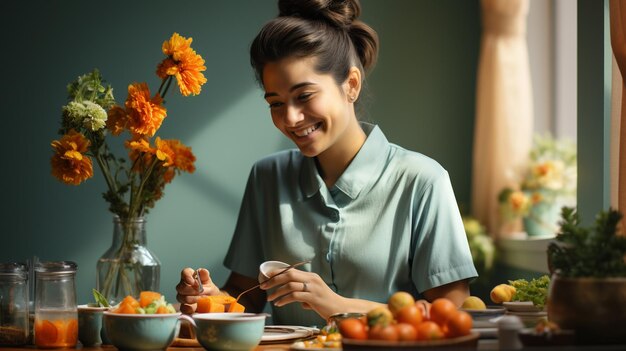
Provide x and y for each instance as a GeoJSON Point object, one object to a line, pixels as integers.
{"type": "Point", "coordinates": [422, 95]}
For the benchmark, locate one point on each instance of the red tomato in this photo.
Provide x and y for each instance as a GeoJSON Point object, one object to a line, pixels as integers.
{"type": "Point", "coordinates": [410, 314]}
{"type": "Point", "coordinates": [406, 332]}
{"type": "Point", "coordinates": [384, 332]}
{"type": "Point", "coordinates": [429, 330]}
{"type": "Point", "coordinates": [459, 324]}
{"type": "Point", "coordinates": [441, 310]}
{"type": "Point", "coordinates": [353, 328]}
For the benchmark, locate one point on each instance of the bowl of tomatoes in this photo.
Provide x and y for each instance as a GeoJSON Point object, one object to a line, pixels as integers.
{"type": "Point", "coordinates": [405, 323]}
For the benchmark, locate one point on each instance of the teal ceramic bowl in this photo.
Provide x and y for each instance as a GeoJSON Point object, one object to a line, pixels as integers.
{"type": "Point", "coordinates": [229, 331]}
{"type": "Point", "coordinates": [136, 332]}
{"type": "Point", "coordinates": [90, 324]}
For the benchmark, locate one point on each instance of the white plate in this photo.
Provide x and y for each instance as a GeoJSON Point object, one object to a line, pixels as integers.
{"type": "Point", "coordinates": [520, 306]}
{"type": "Point", "coordinates": [286, 332]}
{"type": "Point", "coordinates": [487, 313]}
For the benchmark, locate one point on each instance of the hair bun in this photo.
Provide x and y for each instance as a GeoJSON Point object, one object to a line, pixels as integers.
{"type": "Point", "coordinates": [340, 13]}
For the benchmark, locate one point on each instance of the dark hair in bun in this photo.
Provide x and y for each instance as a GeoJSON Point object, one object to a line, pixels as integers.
{"type": "Point", "coordinates": [328, 30]}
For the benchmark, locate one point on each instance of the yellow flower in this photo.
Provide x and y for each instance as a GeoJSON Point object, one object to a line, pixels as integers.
{"type": "Point", "coordinates": [519, 202]}
{"type": "Point", "coordinates": [145, 114]}
{"type": "Point", "coordinates": [69, 165]}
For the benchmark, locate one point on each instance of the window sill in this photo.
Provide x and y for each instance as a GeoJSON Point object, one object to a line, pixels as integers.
{"type": "Point", "coordinates": [528, 253]}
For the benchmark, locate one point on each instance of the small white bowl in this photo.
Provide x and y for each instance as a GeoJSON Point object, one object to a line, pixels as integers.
{"type": "Point", "coordinates": [269, 266]}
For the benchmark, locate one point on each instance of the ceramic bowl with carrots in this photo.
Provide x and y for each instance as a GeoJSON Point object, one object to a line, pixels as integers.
{"type": "Point", "coordinates": [149, 323]}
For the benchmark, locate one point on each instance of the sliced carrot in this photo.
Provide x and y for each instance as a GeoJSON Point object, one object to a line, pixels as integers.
{"type": "Point", "coordinates": [217, 303]}
{"type": "Point", "coordinates": [46, 333]}
{"type": "Point", "coordinates": [162, 310]}
{"type": "Point", "coordinates": [146, 297]}
{"type": "Point", "coordinates": [217, 307]}
{"type": "Point", "coordinates": [131, 301]}
{"type": "Point", "coordinates": [223, 299]}
{"type": "Point", "coordinates": [236, 307]}
{"type": "Point", "coordinates": [71, 332]}
{"type": "Point", "coordinates": [125, 308]}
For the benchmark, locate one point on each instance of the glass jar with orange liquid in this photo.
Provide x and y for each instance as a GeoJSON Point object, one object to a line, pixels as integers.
{"type": "Point", "coordinates": [56, 313]}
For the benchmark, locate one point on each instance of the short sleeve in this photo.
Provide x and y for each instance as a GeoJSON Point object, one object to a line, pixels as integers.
{"type": "Point", "coordinates": [442, 253]}
{"type": "Point", "coordinates": [245, 253]}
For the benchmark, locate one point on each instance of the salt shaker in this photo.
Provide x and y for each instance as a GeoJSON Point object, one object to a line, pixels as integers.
{"type": "Point", "coordinates": [56, 313]}
{"type": "Point", "coordinates": [508, 330]}
{"type": "Point", "coordinates": [13, 304]}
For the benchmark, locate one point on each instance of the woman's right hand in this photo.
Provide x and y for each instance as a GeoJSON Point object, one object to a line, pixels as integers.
{"type": "Point", "coordinates": [188, 290]}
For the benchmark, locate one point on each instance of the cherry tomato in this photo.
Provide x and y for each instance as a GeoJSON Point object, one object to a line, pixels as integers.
{"type": "Point", "coordinates": [406, 332]}
{"type": "Point", "coordinates": [384, 332]}
{"type": "Point", "coordinates": [353, 328]}
{"type": "Point", "coordinates": [410, 314]}
{"type": "Point", "coordinates": [429, 330]}
{"type": "Point", "coordinates": [441, 310]}
{"type": "Point", "coordinates": [459, 324]}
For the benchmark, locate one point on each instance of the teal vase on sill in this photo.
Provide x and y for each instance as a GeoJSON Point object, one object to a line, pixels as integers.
{"type": "Point", "coordinates": [543, 216]}
{"type": "Point", "coordinates": [128, 267]}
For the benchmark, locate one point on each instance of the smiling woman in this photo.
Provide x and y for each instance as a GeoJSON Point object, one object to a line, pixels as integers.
{"type": "Point", "coordinates": [409, 95]}
{"type": "Point", "coordinates": [371, 216]}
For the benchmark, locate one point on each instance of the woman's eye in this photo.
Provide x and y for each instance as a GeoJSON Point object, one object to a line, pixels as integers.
{"type": "Point", "coordinates": [304, 96]}
{"type": "Point", "coordinates": [275, 104]}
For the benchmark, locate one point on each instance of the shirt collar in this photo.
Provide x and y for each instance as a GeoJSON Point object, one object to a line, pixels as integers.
{"type": "Point", "coordinates": [364, 167]}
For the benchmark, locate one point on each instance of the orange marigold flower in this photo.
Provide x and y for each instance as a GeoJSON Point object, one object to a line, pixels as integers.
{"type": "Point", "coordinates": [116, 120]}
{"type": "Point", "coordinates": [145, 114]}
{"type": "Point", "coordinates": [166, 68]}
{"type": "Point", "coordinates": [176, 154]}
{"type": "Point", "coordinates": [176, 45]}
{"type": "Point", "coordinates": [189, 76]}
{"type": "Point", "coordinates": [184, 64]}
{"type": "Point", "coordinates": [69, 165]}
{"type": "Point", "coordinates": [164, 152]}
{"type": "Point", "coordinates": [137, 147]}
{"type": "Point", "coordinates": [169, 174]}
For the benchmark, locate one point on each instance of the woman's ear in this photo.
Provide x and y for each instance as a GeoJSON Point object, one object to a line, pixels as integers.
{"type": "Point", "coordinates": [353, 84]}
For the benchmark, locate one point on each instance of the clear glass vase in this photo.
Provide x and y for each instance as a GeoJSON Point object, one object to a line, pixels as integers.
{"type": "Point", "coordinates": [128, 266]}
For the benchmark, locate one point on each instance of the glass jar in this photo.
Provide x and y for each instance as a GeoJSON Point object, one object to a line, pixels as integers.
{"type": "Point", "coordinates": [13, 304]}
{"type": "Point", "coordinates": [56, 313]}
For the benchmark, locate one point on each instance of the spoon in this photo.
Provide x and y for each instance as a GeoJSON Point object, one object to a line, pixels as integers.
{"type": "Point", "coordinates": [272, 277]}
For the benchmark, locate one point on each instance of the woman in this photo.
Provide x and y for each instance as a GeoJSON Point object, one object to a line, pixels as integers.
{"type": "Point", "coordinates": [372, 217]}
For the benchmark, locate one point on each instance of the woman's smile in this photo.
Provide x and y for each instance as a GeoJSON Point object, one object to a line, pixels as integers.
{"type": "Point", "coordinates": [306, 132]}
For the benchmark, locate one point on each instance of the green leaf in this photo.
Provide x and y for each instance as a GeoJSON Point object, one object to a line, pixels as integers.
{"type": "Point", "coordinates": [100, 299]}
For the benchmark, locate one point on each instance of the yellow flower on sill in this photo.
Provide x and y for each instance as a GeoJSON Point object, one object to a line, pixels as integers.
{"type": "Point", "coordinates": [92, 114]}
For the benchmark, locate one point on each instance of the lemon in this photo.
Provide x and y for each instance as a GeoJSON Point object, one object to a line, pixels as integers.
{"type": "Point", "coordinates": [473, 303]}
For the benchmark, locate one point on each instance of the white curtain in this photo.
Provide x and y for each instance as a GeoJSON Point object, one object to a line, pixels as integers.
{"type": "Point", "coordinates": [504, 108]}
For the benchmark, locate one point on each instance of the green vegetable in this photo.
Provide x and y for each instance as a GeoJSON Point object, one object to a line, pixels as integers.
{"type": "Point", "coordinates": [535, 291]}
{"type": "Point", "coordinates": [101, 301]}
{"type": "Point", "coordinates": [588, 252]}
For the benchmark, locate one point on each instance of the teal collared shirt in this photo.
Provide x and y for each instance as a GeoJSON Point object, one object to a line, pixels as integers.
{"type": "Point", "coordinates": [390, 223]}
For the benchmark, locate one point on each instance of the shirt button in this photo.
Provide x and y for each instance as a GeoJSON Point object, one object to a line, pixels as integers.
{"type": "Point", "coordinates": [334, 216]}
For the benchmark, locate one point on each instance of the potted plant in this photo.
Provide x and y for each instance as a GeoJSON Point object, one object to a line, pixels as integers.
{"type": "Point", "coordinates": [588, 288]}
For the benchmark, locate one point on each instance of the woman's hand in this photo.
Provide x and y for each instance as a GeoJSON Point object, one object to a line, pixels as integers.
{"type": "Point", "coordinates": [188, 289]}
{"type": "Point", "coordinates": [312, 293]}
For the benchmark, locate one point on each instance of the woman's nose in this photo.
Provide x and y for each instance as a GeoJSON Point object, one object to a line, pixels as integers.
{"type": "Point", "coordinates": [293, 115]}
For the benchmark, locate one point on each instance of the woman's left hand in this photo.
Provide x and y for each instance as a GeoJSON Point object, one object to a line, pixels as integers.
{"type": "Point", "coordinates": [307, 288]}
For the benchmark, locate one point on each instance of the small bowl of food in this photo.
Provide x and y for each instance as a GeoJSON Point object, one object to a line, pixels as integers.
{"type": "Point", "coordinates": [137, 332]}
{"type": "Point", "coordinates": [228, 331]}
{"type": "Point", "coordinates": [270, 266]}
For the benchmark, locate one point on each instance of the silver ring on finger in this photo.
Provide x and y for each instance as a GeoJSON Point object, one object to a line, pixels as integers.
{"type": "Point", "coordinates": [304, 287]}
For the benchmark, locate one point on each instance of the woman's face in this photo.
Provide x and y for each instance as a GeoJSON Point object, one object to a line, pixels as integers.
{"type": "Point", "coordinates": [309, 108]}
